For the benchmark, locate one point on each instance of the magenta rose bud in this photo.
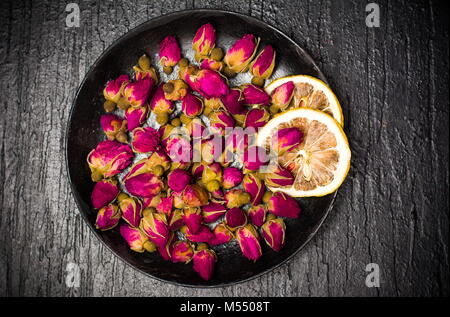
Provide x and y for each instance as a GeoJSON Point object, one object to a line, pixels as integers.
{"type": "Point", "coordinates": [264, 63]}
{"type": "Point", "coordinates": [151, 201]}
{"type": "Point", "coordinates": [273, 232]}
{"type": "Point", "coordinates": [222, 235]}
{"type": "Point", "coordinates": [235, 217]}
{"type": "Point", "coordinates": [179, 149]}
{"type": "Point", "coordinates": [145, 140]}
{"type": "Point", "coordinates": [195, 196]}
{"type": "Point", "coordinates": [241, 53]}
{"type": "Point", "coordinates": [143, 185]}
{"type": "Point", "coordinates": [212, 172]}
{"type": "Point", "coordinates": [104, 192]}
{"type": "Point", "coordinates": [135, 238]}
{"type": "Point", "coordinates": [114, 88]}
{"type": "Point", "coordinates": [182, 251]}
{"type": "Point", "coordinates": [212, 65]}
{"type": "Point", "coordinates": [257, 215]}
{"type": "Point", "coordinates": [112, 125]}
{"type": "Point", "coordinates": [208, 83]}
{"type": "Point", "coordinates": [220, 120]}
{"type": "Point", "coordinates": [234, 102]}
{"type": "Point", "coordinates": [131, 210]}
{"type": "Point", "coordinates": [176, 220]}
{"type": "Point", "coordinates": [137, 93]}
{"type": "Point", "coordinates": [166, 250]}
{"type": "Point", "coordinates": [107, 217]}
{"type": "Point", "coordinates": [248, 240]}
{"type": "Point", "coordinates": [232, 177]}
{"type": "Point", "coordinates": [204, 261]}
{"type": "Point", "coordinates": [212, 212]}
{"type": "Point", "coordinates": [178, 179]}
{"type": "Point", "coordinates": [154, 225]}
{"type": "Point", "coordinates": [193, 219]}
{"type": "Point", "coordinates": [212, 150]}
{"type": "Point", "coordinates": [278, 178]}
{"type": "Point", "coordinates": [165, 205]}
{"type": "Point", "coordinates": [204, 41]}
{"type": "Point", "coordinates": [197, 170]}
{"type": "Point", "coordinates": [203, 235]}
{"type": "Point", "coordinates": [136, 117]}
{"type": "Point", "coordinates": [256, 118]}
{"type": "Point", "coordinates": [159, 104]}
{"type": "Point", "coordinates": [282, 205]}
{"type": "Point", "coordinates": [159, 157]}
{"type": "Point", "coordinates": [255, 96]}
{"type": "Point", "coordinates": [286, 140]}
{"type": "Point", "coordinates": [169, 51]}
{"type": "Point", "coordinates": [108, 159]}
{"type": "Point", "coordinates": [191, 105]}
{"type": "Point", "coordinates": [255, 187]}
{"type": "Point", "coordinates": [254, 158]}
{"type": "Point", "coordinates": [282, 95]}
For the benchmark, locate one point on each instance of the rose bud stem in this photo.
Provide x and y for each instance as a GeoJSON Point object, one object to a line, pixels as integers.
{"type": "Point", "coordinates": [184, 62]}
{"type": "Point", "coordinates": [217, 54]}
{"type": "Point", "coordinates": [258, 81]}
{"type": "Point", "coordinates": [229, 72]}
{"type": "Point", "coordinates": [144, 62]}
{"type": "Point", "coordinates": [123, 104]}
{"type": "Point", "coordinates": [168, 70]}
{"type": "Point", "coordinates": [122, 137]}
{"type": "Point", "coordinates": [109, 106]}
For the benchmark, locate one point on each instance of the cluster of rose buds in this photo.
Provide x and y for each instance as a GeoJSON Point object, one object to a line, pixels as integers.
{"type": "Point", "coordinates": [165, 202]}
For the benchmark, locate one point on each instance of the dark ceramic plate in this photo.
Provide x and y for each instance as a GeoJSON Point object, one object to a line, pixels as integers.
{"type": "Point", "coordinates": [84, 134]}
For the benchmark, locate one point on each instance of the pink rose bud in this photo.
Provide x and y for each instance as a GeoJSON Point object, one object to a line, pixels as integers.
{"type": "Point", "coordinates": [131, 210]}
{"type": "Point", "coordinates": [286, 140]}
{"type": "Point", "coordinates": [165, 205]}
{"type": "Point", "coordinates": [197, 170]}
{"type": "Point", "coordinates": [248, 240]}
{"type": "Point", "coordinates": [136, 117]}
{"type": "Point", "coordinates": [255, 187]}
{"type": "Point", "coordinates": [212, 150]}
{"type": "Point", "coordinates": [182, 251]}
{"type": "Point", "coordinates": [255, 96]}
{"type": "Point", "coordinates": [204, 41]}
{"type": "Point", "coordinates": [159, 104]}
{"type": "Point", "coordinates": [104, 192]}
{"type": "Point", "coordinates": [143, 185]}
{"type": "Point", "coordinates": [264, 63]}
{"type": "Point", "coordinates": [234, 102]}
{"type": "Point", "coordinates": [179, 149]}
{"type": "Point", "coordinates": [166, 250]}
{"type": "Point", "coordinates": [278, 178]}
{"type": "Point", "coordinates": [145, 140]}
{"type": "Point", "coordinates": [178, 179]}
{"type": "Point", "coordinates": [112, 125]}
{"type": "Point", "coordinates": [256, 118]}
{"type": "Point", "coordinates": [257, 215]}
{"type": "Point", "coordinates": [254, 158]}
{"type": "Point", "coordinates": [282, 95]}
{"type": "Point", "coordinates": [159, 157]}
{"type": "Point", "coordinates": [140, 73]}
{"type": "Point", "coordinates": [196, 129]}
{"type": "Point", "coordinates": [232, 177]}
{"type": "Point", "coordinates": [208, 83]}
{"type": "Point", "coordinates": [154, 225]}
{"type": "Point", "coordinates": [195, 196]}
{"type": "Point", "coordinates": [273, 232]}
{"type": "Point", "coordinates": [212, 172]}
{"type": "Point", "coordinates": [218, 197]}
{"type": "Point", "coordinates": [169, 51]}
{"type": "Point", "coordinates": [107, 217]}
{"type": "Point", "coordinates": [151, 201]}
{"type": "Point", "coordinates": [135, 238]}
{"type": "Point", "coordinates": [114, 88]}
{"type": "Point", "coordinates": [212, 65]}
{"type": "Point", "coordinates": [241, 53]}
{"type": "Point", "coordinates": [222, 235]}
{"type": "Point", "coordinates": [176, 220]}
{"type": "Point", "coordinates": [193, 219]}
{"type": "Point", "coordinates": [204, 261]}
{"type": "Point", "coordinates": [137, 93]}
{"type": "Point", "coordinates": [219, 121]}
{"type": "Point", "coordinates": [235, 217]}
{"type": "Point", "coordinates": [191, 105]}
{"type": "Point", "coordinates": [282, 205]}
{"type": "Point", "coordinates": [108, 159]}
{"type": "Point", "coordinates": [203, 235]}
{"type": "Point", "coordinates": [212, 212]}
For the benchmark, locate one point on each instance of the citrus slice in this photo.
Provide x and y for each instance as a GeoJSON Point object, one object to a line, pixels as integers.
{"type": "Point", "coordinates": [321, 162]}
{"type": "Point", "coordinates": [312, 93]}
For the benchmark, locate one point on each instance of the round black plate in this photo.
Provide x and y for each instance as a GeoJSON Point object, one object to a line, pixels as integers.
{"type": "Point", "coordinates": [84, 133]}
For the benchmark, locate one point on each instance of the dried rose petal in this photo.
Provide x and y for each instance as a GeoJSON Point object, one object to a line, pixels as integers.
{"type": "Point", "coordinates": [136, 239]}
{"type": "Point", "coordinates": [166, 250]}
{"type": "Point", "coordinates": [264, 63]}
{"type": "Point", "coordinates": [136, 117]}
{"type": "Point", "coordinates": [255, 96]}
{"type": "Point", "coordinates": [282, 95]}
{"type": "Point", "coordinates": [248, 240]}
{"type": "Point", "coordinates": [178, 179]}
{"type": "Point", "coordinates": [222, 235]}
{"type": "Point", "coordinates": [137, 93]}
{"type": "Point", "coordinates": [203, 235]}
{"type": "Point", "coordinates": [154, 225]}
{"type": "Point", "coordinates": [204, 263]}
{"type": "Point", "coordinates": [114, 88]}
{"type": "Point", "coordinates": [256, 118]}
{"type": "Point", "coordinates": [241, 53]}
{"type": "Point", "coordinates": [176, 220]}
{"type": "Point", "coordinates": [257, 215]}
{"type": "Point", "coordinates": [273, 232]}
{"type": "Point", "coordinates": [182, 251]}
{"type": "Point", "coordinates": [232, 177]}
{"type": "Point", "coordinates": [165, 205]}
{"type": "Point", "coordinates": [197, 170]}
{"type": "Point", "coordinates": [145, 140]}
{"type": "Point", "coordinates": [131, 210]}
{"type": "Point", "coordinates": [151, 201]}
{"type": "Point", "coordinates": [104, 192]}
{"type": "Point", "coordinates": [213, 211]}
{"type": "Point", "coordinates": [255, 187]}
{"type": "Point", "coordinates": [108, 217]}
{"type": "Point", "coordinates": [282, 205]}
{"type": "Point", "coordinates": [169, 51]}
{"type": "Point", "coordinates": [191, 105]}
{"type": "Point", "coordinates": [195, 196]}
{"type": "Point", "coordinates": [279, 177]}
{"type": "Point", "coordinates": [204, 41]}
{"type": "Point", "coordinates": [193, 219]}
{"type": "Point", "coordinates": [234, 102]}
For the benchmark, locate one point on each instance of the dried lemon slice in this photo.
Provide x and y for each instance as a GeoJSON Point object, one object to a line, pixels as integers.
{"type": "Point", "coordinates": [312, 93]}
{"type": "Point", "coordinates": [321, 162]}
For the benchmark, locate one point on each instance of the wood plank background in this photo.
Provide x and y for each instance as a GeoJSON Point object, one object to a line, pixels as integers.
{"type": "Point", "coordinates": [392, 210]}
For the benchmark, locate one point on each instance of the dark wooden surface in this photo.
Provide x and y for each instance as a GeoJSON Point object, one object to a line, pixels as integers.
{"type": "Point", "coordinates": [392, 210]}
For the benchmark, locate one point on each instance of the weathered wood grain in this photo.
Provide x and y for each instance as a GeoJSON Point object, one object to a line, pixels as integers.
{"type": "Point", "coordinates": [392, 210]}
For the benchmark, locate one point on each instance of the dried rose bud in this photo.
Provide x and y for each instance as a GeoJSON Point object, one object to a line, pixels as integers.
{"type": "Point", "coordinates": [273, 232]}
{"type": "Point", "coordinates": [169, 51]}
{"type": "Point", "coordinates": [143, 185]}
{"type": "Point", "coordinates": [159, 157]}
{"type": "Point", "coordinates": [222, 235]}
{"type": "Point", "coordinates": [104, 192]}
{"type": "Point", "coordinates": [154, 225]}
{"type": "Point", "coordinates": [235, 217]}
{"type": "Point", "coordinates": [114, 88]}
{"type": "Point", "coordinates": [204, 261]}
{"type": "Point", "coordinates": [279, 177]}
{"type": "Point", "coordinates": [264, 63]}
{"type": "Point", "coordinates": [211, 64]}
{"type": "Point", "coordinates": [248, 240]}
{"type": "Point", "coordinates": [233, 102]}
{"type": "Point", "coordinates": [165, 133]}
{"type": "Point", "coordinates": [108, 159]}
{"type": "Point", "coordinates": [140, 73]}
{"type": "Point", "coordinates": [212, 172]}
{"type": "Point", "coordinates": [282, 95]}
{"type": "Point", "coordinates": [166, 250]}
{"type": "Point", "coordinates": [137, 240]}
{"type": "Point", "coordinates": [151, 201]}
{"type": "Point", "coordinates": [256, 118]}
{"type": "Point", "coordinates": [175, 89]}
{"type": "Point", "coordinates": [196, 129]}
{"type": "Point", "coordinates": [195, 196]}
{"type": "Point", "coordinates": [212, 150]}
{"type": "Point", "coordinates": [145, 140]}
{"type": "Point", "coordinates": [108, 217]}
{"type": "Point", "coordinates": [255, 96]}
{"type": "Point", "coordinates": [286, 139]}
{"type": "Point", "coordinates": [178, 179]}
{"type": "Point", "coordinates": [165, 205]}
{"type": "Point", "coordinates": [204, 41]}
{"type": "Point", "coordinates": [159, 104]}
{"type": "Point", "coordinates": [203, 235]}
{"type": "Point", "coordinates": [241, 53]}
{"type": "Point", "coordinates": [238, 140]}
{"type": "Point", "coordinates": [180, 165]}
{"type": "Point", "coordinates": [182, 251]}
{"type": "Point", "coordinates": [193, 219]}
{"type": "Point", "coordinates": [254, 158]}
{"type": "Point", "coordinates": [232, 177]}
{"type": "Point", "coordinates": [197, 170]}
{"type": "Point", "coordinates": [137, 93]}
{"type": "Point", "coordinates": [208, 83]}
{"type": "Point", "coordinates": [257, 215]}
{"type": "Point", "coordinates": [136, 117]}
{"type": "Point", "coordinates": [176, 220]}
{"type": "Point", "coordinates": [191, 105]}
{"type": "Point", "coordinates": [212, 212]}
{"type": "Point", "coordinates": [236, 198]}
{"type": "Point", "coordinates": [179, 149]}
{"type": "Point", "coordinates": [112, 125]}
{"type": "Point", "coordinates": [219, 121]}
{"type": "Point", "coordinates": [131, 210]}
{"type": "Point", "coordinates": [282, 205]}
{"type": "Point", "coordinates": [255, 187]}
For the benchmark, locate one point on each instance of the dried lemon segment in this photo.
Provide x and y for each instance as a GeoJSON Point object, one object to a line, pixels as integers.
{"type": "Point", "coordinates": [321, 162]}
